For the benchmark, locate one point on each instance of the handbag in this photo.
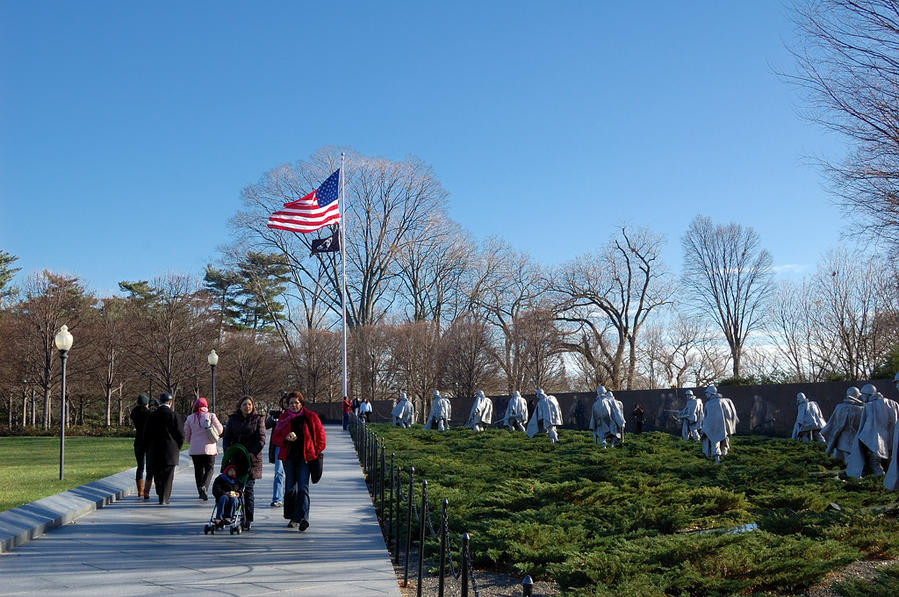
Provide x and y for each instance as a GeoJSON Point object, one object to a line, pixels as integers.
{"type": "Point", "coordinates": [211, 432]}
{"type": "Point", "coordinates": [316, 465]}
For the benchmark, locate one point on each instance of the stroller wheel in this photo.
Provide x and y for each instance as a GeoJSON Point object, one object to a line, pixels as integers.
{"type": "Point", "coordinates": [206, 530]}
{"type": "Point", "coordinates": [231, 530]}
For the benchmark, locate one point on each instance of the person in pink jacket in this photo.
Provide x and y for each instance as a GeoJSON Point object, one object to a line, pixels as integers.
{"type": "Point", "coordinates": [203, 449]}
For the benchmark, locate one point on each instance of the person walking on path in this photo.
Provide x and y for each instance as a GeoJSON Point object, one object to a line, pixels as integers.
{"type": "Point", "coordinates": [198, 432]}
{"type": "Point", "coordinates": [139, 415]}
{"type": "Point", "coordinates": [278, 480]}
{"type": "Point", "coordinates": [165, 435]}
{"type": "Point", "coordinates": [301, 436]}
{"type": "Point", "coordinates": [347, 409]}
{"type": "Point", "coordinates": [365, 410]}
{"type": "Point", "coordinates": [247, 428]}
{"type": "Point", "coordinates": [638, 413]}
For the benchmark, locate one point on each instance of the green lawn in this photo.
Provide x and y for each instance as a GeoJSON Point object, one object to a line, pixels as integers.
{"type": "Point", "coordinates": [29, 466]}
{"type": "Point", "coordinates": [652, 517]}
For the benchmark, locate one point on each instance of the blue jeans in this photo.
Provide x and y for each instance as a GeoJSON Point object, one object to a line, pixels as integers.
{"type": "Point", "coordinates": [227, 505]}
{"type": "Point", "coordinates": [297, 473]}
{"type": "Point", "coordinates": [346, 420]}
{"type": "Point", "coordinates": [278, 485]}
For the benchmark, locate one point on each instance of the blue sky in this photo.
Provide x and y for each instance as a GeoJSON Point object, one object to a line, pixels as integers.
{"type": "Point", "coordinates": [131, 129]}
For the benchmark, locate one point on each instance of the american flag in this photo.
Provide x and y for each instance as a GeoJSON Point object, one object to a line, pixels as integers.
{"type": "Point", "coordinates": [314, 211]}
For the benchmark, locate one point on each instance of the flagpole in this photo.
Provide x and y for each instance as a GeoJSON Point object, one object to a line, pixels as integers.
{"type": "Point", "coordinates": [343, 214]}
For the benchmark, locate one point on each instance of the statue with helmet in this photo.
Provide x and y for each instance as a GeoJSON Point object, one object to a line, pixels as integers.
{"type": "Point", "coordinates": [481, 415]}
{"type": "Point", "coordinates": [404, 412]}
{"type": "Point", "coordinates": [516, 417]}
{"type": "Point", "coordinates": [719, 424]}
{"type": "Point", "coordinates": [547, 416]}
{"type": "Point", "coordinates": [872, 448]}
{"type": "Point", "coordinates": [441, 413]}
{"type": "Point", "coordinates": [607, 418]}
{"type": "Point", "coordinates": [809, 420]}
{"type": "Point", "coordinates": [843, 425]}
{"type": "Point", "coordinates": [691, 416]}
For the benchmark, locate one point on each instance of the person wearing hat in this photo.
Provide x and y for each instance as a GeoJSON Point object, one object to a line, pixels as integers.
{"type": "Point", "coordinates": [165, 436]}
{"type": "Point", "coordinates": [199, 430]}
{"type": "Point", "coordinates": [139, 415]}
{"type": "Point", "coordinates": [226, 490]}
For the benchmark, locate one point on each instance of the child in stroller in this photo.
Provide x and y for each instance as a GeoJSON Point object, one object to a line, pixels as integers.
{"type": "Point", "coordinates": [228, 491]}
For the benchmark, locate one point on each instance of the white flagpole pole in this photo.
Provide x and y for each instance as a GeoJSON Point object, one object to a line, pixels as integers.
{"type": "Point", "coordinates": [343, 213]}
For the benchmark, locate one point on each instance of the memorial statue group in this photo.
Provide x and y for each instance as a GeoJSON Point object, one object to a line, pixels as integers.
{"type": "Point", "coordinates": [862, 432]}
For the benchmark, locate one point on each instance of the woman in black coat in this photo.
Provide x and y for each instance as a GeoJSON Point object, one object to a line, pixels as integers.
{"type": "Point", "coordinates": [247, 427]}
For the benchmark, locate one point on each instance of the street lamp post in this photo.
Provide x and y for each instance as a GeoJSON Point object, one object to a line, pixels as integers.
{"type": "Point", "coordinates": [63, 343]}
{"type": "Point", "coordinates": [213, 360]}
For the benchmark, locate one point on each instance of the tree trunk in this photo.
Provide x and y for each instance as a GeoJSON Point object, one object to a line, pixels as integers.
{"type": "Point", "coordinates": [48, 418]}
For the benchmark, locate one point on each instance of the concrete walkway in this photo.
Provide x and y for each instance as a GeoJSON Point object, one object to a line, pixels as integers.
{"type": "Point", "coordinates": [136, 547]}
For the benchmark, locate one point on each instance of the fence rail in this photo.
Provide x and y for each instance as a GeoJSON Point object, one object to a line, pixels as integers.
{"type": "Point", "coordinates": [396, 502]}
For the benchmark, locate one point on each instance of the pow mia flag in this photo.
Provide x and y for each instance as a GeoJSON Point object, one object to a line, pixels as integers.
{"type": "Point", "coordinates": [330, 244]}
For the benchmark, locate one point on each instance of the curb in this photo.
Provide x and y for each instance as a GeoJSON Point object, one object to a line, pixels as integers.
{"type": "Point", "coordinates": [25, 523]}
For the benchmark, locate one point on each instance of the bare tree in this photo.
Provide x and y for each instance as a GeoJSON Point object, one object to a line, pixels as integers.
{"type": "Point", "coordinates": [792, 332]}
{"type": "Point", "coordinates": [50, 300]}
{"type": "Point", "coordinates": [369, 362]}
{"type": "Point", "coordinates": [175, 325]}
{"type": "Point", "coordinates": [729, 275]}
{"type": "Point", "coordinates": [537, 342]}
{"type": "Point", "coordinates": [466, 354]}
{"type": "Point", "coordinates": [853, 314]}
{"type": "Point", "coordinates": [431, 267]}
{"type": "Point", "coordinates": [414, 358]}
{"type": "Point", "coordinates": [608, 296]}
{"type": "Point", "coordinates": [255, 366]}
{"type": "Point", "coordinates": [848, 58]}
{"type": "Point", "coordinates": [504, 283]}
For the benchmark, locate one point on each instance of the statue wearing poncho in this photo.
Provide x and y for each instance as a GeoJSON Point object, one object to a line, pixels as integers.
{"type": "Point", "coordinates": [607, 418]}
{"type": "Point", "coordinates": [441, 413]}
{"type": "Point", "coordinates": [843, 425]}
{"type": "Point", "coordinates": [404, 412]}
{"type": "Point", "coordinates": [872, 447]}
{"type": "Point", "coordinates": [481, 415]}
{"type": "Point", "coordinates": [809, 420]}
{"type": "Point", "coordinates": [547, 415]}
{"type": "Point", "coordinates": [891, 480]}
{"type": "Point", "coordinates": [719, 423]}
{"type": "Point", "coordinates": [516, 416]}
{"type": "Point", "coordinates": [691, 416]}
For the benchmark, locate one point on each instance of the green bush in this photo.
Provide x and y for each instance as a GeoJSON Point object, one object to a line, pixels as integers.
{"type": "Point", "coordinates": [652, 517]}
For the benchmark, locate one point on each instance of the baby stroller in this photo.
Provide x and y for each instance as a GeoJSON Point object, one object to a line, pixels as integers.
{"type": "Point", "coordinates": [239, 457]}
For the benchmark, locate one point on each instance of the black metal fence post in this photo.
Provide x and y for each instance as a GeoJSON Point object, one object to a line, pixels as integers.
{"type": "Point", "coordinates": [390, 529]}
{"type": "Point", "coordinates": [396, 489]}
{"type": "Point", "coordinates": [410, 504]}
{"type": "Point", "coordinates": [527, 586]}
{"type": "Point", "coordinates": [421, 533]}
{"type": "Point", "coordinates": [444, 524]}
{"type": "Point", "coordinates": [382, 475]}
{"type": "Point", "coordinates": [465, 560]}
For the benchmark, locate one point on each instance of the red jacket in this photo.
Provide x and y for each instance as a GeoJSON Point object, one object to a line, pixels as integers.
{"type": "Point", "coordinates": [282, 429]}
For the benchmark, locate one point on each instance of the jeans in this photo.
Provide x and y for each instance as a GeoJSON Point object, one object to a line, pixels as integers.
{"type": "Point", "coordinates": [297, 473]}
{"type": "Point", "coordinates": [278, 484]}
{"type": "Point", "coordinates": [226, 506]}
{"type": "Point", "coordinates": [346, 420]}
{"type": "Point", "coordinates": [142, 454]}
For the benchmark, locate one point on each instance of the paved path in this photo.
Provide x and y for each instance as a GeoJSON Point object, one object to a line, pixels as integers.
{"type": "Point", "coordinates": [136, 547]}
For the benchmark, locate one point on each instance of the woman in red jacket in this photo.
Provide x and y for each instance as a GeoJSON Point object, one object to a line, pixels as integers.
{"type": "Point", "coordinates": [301, 437]}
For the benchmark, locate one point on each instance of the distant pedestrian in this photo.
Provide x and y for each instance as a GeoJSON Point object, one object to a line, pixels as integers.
{"type": "Point", "coordinates": [638, 413]}
{"type": "Point", "coordinates": [278, 478]}
{"type": "Point", "coordinates": [355, 406]}
{"type": "Point", "coordinates": [247, 428]}
{"type": "Point", "coordinates": [365, 410]}
{"type": "Point", "coordinates": [347, 409]}
{"type": "Point", "coordinates": [165, 435]}
{"type": "Point", "coordinates": [203, 448]}
{"type": "Point", "coordinates": [139, 415]}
